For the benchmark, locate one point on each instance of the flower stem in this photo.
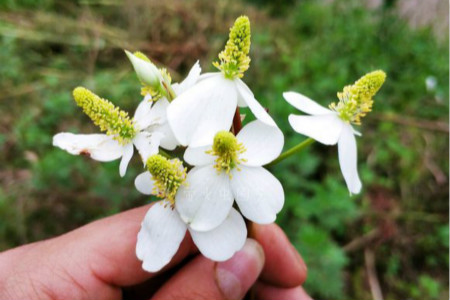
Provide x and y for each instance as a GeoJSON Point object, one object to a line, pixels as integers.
{"type": "Point", "coordinates": [164, 153]}
{"type": "Point", "coordinates": [291, 151]}
{"type": "Point", "coordinates": [237, 123]}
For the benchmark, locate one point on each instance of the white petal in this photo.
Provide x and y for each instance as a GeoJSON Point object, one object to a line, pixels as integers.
{"type": "Point", "coordinates": [263, 143]}
{"type": "Point", "coordinates": [127, 155]}
{"type": "Point", "coordinates": [258, 194]}
{"type": "Point", "coordinates": [199, 113]}
{"type": "Point", "coordinates": [198, 156]}
{"type": "Point", "coordinates": [159, 111]}
{"type": "Point", "coordinates": [142, 113]}
{"type": "Point", "coordinates": [189, 81]}
{"type": "Point", "coordinates": [348, 158]}
{"type": "Point", "coordinates": [256, 108]}
{"type": "Point", "coordinates": [159, 238]}
{"type": "Point", "coordinates": [146, 71]}
{"type": "Point", "coordinates": [144, 183]}
{"type": "Point", "coordinates": [147, 143]}
{"type": "Point", "coordinates": [100, 147]}
{"type": "Point", "coordinates": [305, 104]}
{"type": "Point", "coordinates": [206, 200]}
{"type": "Point", "coordinates": [168, 140]}
{"type": "Point", "coordinates": [325, 129]}
{"type": "Point", "coordinates": [222, 242]}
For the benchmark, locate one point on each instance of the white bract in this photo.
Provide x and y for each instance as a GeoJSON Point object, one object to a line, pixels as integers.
{"type": "Point", "coordinates": [231, 168]}
{"type": "Point", "coordinates": [150, 125]}
{"type": "Point", "coordinates": [326, 127]}
{"type": "Point", "coordinates": [209, 106]}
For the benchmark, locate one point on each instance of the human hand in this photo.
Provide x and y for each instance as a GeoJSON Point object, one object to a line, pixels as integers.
{"type": "Point", "coordinates": [98, 261]}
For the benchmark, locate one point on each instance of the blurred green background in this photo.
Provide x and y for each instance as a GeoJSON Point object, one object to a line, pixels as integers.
{"type": "Point", "coordinates": [394, 233]}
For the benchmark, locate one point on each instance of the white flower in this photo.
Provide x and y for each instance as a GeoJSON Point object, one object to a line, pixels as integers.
{"type": "Point", "coordinates": [232, 169]}
{"type": "Point", "coordinates": [209, 106]}
{"type": "Point", "coordinates": [326, 127]}
{"type": "Point", "coordinates": [163, 230]}
{"type": "Point", "coordinates": [149, 125]}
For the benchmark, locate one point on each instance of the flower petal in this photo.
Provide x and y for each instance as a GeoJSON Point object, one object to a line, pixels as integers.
{"type": "Point", "coordinates": [206, 200]}
{"type": "Point", "coordinates": [258, 194]}
{"type": "Point", "coordinates": [100, 147]}
{"type": "Point", "coordinates": [199, 113]}
{"type": "Point", "coordinates": [126, 157]}
{"type": "Point", "coordinates": [348, 158]}
{"type": "Point", "coordinates": [189, 81]}
{"type": "Point", "coordinates": [325, 129]}
{"type": "Point", "coordinates": [305, 104]}
{"type": "Point", "coordinates": [168, 140]}
{"type": "Point", "coordinates": [147, 143]}
{"type": "Point", "coordinates": [256, 108]}
{"type": "Point", "coordinates": [144, 183]}
{"type": "Point", "coordinates": [222, 242]}
{"type": "Point", "coordinates": [263, 143]}
{"type": "Point", "coordinates": [198, 156]}
{"type": "Point", "coordinates": [142, 113]}
{"type": "Point", "coordinates": [160, 236]}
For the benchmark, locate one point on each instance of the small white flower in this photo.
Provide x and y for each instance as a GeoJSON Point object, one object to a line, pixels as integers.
{"type": "Point", "coordinates": [231, 168]}
{"type": "Point", "coordinates": [150, 126]}
{"type": "Point", "coordinates": [333, 126]}
{"type": "Point", "coordinates": [325, 126]}
{"type": "Point", "coordinates": [163, 230]}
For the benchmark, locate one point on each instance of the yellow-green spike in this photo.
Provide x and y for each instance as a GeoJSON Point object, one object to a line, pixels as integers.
{"type": "Point", "coordinates": [355, 101]}
{"type": "Point", "coordinates": [105, 115]}
{"type": "Point", "coordinates": [227, 149]}
{"type": "Point", "coordinates": [234, 59]}
{"type": "Point", "coordinates": [168, 176]}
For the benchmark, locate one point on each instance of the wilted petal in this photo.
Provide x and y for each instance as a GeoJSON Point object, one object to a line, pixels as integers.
{"type": "Point", "coordinates": [263, 143]}
{"type": "Point", "coordinates": [198, 157]}
{"type": "Point", "coordinates": [256, 108]}
{"type": "Point", "coordinates": [126, 157]}
{"type": "Point", "coordinates": [144, 183]}
{"type": "Point", "coordinates": [325, 129]}
{"type": "Point", "coordinates": [189, 81]}
{"type": "Point", "coordinates": [305, 104]}
{"type": "Point", "coordinates": [258, 194]}
{"type": "Point", "coordinates": [199, 113]}
{"type": "Point", "coordinates": [100, 147]}
{"type": "Point", "coordinates": [222, 242]}
{"type": "Point", "coordinates": [348, 158]}
{"type": "Point", "coordinates": [206, 200]}
{"type": "Point", "coordinates": [160, 236]}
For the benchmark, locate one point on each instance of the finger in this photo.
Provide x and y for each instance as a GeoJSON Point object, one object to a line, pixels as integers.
{"type": "Point", "coordinates": [89, 261]}
{"type": "Point", "coordinates": [284, 266]}
{"type": "Point", "coordinates": [108, 247]}
{"type": "Point", "coordinates": [205, 279]}
{"type": "Point", "coordinates": [267, 292]}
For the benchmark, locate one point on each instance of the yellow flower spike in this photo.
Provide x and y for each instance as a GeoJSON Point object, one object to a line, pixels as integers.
{"type": "Point", "coordinates": [168, 176]}
{"type": "Point", "coordinates": [234, 59]}
{"type": "Point", "coordinates": [227, 149]}
{"type": "Point", "coordinates": [105, 115]}
{"type": "Point", "coordinates": [355, 101]}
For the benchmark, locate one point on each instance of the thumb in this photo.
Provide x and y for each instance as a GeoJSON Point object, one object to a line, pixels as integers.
{"type": "Point", "coordinates": [205, 279]}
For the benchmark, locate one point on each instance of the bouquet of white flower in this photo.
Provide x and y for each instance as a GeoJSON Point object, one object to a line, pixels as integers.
{"type": "Point", "coordinates": [221, 161]}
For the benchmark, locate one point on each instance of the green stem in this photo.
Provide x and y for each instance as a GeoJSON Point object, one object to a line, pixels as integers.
{"type": "Point", "coordinates": [164, 153]}
{"type": "Point", "coordinates": [291, 151]}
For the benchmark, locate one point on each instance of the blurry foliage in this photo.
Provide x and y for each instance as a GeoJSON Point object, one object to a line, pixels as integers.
{"type": "Point", "coordinates": [311, 47]}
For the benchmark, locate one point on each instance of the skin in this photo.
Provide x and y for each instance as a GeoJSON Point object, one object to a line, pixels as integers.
{"type": "Point", "coordinates": [98, 261]}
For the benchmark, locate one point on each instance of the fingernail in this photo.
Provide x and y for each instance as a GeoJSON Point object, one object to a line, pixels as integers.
{"type": "Point", "coordinates": [235, 276]}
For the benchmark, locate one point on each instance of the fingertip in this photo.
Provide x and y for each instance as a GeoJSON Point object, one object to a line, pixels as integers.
{"type": "Point", "coordinates": [284, 267]}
